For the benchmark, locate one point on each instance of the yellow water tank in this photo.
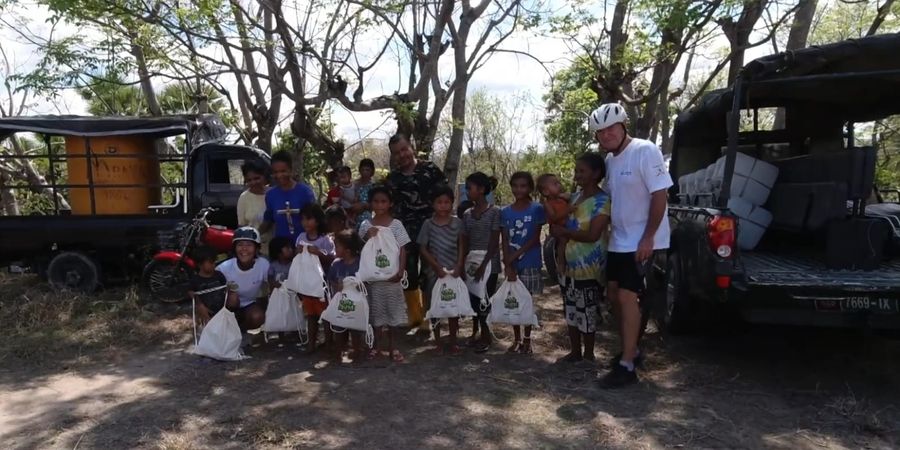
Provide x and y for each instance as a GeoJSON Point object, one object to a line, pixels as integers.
{"type": "Point", "coordinates": [110, 164]}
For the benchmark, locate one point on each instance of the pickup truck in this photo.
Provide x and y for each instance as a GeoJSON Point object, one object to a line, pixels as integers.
{"type": "Point", "coordinates": [811, 240]}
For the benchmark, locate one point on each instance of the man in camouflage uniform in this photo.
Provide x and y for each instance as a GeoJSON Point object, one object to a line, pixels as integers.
{"type": "Point", "coordinates": [412, 182]}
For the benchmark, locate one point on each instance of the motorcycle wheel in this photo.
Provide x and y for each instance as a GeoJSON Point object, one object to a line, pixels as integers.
{"type": "Point", "coordinates": [166, 281]}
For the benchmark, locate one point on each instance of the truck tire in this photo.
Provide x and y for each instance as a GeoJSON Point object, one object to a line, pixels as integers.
{"type": "Point", "coordinates": [677, 314]}
{"type": "Point", "coordinates": [166, 281]}
{"type": "Point", "coordinates": [73, 271]}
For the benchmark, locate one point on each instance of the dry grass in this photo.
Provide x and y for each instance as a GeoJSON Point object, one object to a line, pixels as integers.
{"type": "Point", "coordinates": [175, 441]}
{"type": "Point", "coordinates": [39, 325]}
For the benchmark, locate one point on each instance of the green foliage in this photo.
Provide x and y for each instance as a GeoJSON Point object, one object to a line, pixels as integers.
{"type": "Point", "coordinates": [838, 20]}
{"type": "Point", "coordinates": [315, 164]}
{"type": "Point", "coordinates": [550, 161]}
{"type": "Point", "coordinates": [569, 101]}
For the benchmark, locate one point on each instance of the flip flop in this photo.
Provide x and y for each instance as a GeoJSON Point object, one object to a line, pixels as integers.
{"type": "Point", "coordinates": [397, 357]}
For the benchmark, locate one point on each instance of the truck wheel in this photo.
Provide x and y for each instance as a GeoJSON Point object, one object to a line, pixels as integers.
{"type": "Point", "coordinates": [73, 271]}
{"type": "Point", "coordinates": [677, 314]}
{"type": "Point", "coordinates": [166, 281]}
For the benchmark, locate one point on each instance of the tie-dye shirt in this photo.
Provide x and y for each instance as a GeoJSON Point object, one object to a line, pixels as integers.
{"type": "Point", "coordinates": [586, 260]}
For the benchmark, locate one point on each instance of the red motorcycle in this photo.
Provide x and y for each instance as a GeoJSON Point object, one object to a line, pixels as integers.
{"type": "Point", "coordinates": [167, 275]}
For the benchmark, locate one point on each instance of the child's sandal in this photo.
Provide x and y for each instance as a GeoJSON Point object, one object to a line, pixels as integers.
{"type": "Point", "coordinates": [372, 354]}
{"type": "Point", "coordinates": [455, 350]}
{"type": "Point", "coordinates": [516, 347]}
{"type": "Point", "coordinates": [397, 357]}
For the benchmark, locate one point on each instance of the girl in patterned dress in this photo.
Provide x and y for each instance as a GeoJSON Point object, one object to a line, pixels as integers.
{"type": "Point", "coordinates": [387, 306]}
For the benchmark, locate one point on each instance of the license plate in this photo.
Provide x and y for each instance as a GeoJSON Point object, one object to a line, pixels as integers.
{"type": "Point", "coordinates": [874, 304]}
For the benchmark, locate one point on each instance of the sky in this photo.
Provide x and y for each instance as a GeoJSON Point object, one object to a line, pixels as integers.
{"type": "Point", "coordinates": [505, 75]}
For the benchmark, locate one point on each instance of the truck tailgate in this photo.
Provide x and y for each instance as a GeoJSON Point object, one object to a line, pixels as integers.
{"type": "Point", "coordinates": [777, 270]}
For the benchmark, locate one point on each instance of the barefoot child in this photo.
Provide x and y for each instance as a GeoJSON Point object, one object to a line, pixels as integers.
{"type": "Point", "coordinates": [347, 246]}
{"type": "Point", "coordinates": [556, 210]}
{"type": "Point", "coordinates": [315, 240]}
{"type": "Point", "coordinates": [585, 255]}
{"type": "Point", "coordinates": [387, 305]}
{"type": "Point", "coordinates": [442, 246]}
{"type": "Point", "coordinates": [481, 227]}
{"type": "Point", "coordinates": [521, 223]}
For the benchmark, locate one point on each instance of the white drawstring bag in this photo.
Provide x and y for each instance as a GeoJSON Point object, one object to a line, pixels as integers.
{"type": "Point", "coordinates": [306, 276]}
{"type": "Point", "coordinates": [477, 287]}
{"type": "Point", "coordinates": [349, 309]}
{"type": "Point", "coordinates": [284, 313]}
{"type": "Point", "coordinates": [449, 299]}
{"type": "Point", "coordinates": [513, 305]}
{"type": "Point", "coordinates": [380, 257]}
{"type": "Point", "coordinates": [221, 337]}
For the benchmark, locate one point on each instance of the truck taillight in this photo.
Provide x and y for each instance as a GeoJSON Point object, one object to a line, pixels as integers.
{"type": "Point", "coordinates": [721, 236]}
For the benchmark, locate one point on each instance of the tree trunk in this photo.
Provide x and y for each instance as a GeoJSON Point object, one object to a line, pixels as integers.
{"type": "Point", "coordinates": [458, 117]}
{"type": "Point", "coordinates": [9, 205]}
{"type": "Point", "coordinates": [144, 75]}
{"type": "Point", "coordinates": [738, 34]}
{"type": "Point", "coordinates": [882, 13]}
{"type": "Point", "coordinates": [608, 84]}
{"type": "Point", "coordinates": [806, 9]}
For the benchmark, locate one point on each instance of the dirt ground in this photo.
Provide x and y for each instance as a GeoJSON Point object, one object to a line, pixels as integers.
{"type": "Point", "coordinates": [113, 372]}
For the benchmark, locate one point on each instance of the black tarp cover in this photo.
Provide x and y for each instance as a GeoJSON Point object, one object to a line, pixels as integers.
{"type": "Point", "coordinates": [203, 128]}
{"type": "Point", "coordinates": [856, 80]}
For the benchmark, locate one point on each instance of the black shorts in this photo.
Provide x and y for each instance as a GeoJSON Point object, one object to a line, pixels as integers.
{"type": "Point", "coordinates": [491, 290]}
{"type": "Point", "coordinates": [414, 274]}
{"type": "Point", "coordinates": [629, 274]}
{"type": "Point", "coordinates": [241, 314]}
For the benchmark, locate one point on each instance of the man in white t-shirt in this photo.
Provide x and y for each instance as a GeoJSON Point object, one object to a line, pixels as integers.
{"type": "Point", "coordinates": [637, 180]}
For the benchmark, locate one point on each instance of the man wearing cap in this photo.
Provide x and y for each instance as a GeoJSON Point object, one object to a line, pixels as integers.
{"type": "Point", "coordinates": [637, 180]}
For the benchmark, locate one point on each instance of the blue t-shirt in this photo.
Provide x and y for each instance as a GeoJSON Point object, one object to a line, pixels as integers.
{"type": "Point", "coordinates": [340, 270]}
{"type": "Point", "coordinates": [283, 205]}
{"type": "Point", "coordinates": [520, 227]}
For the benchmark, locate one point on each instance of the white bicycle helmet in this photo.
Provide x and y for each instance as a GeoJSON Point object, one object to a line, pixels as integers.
{"type": "Point", "coordinates": [606, 115]}
{"type": "Point", "coordinates": [246, 234]}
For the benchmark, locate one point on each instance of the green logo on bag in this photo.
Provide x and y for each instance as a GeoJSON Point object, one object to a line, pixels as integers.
{"type": "Point", "coordinates": [472, 269]}
{"type": "Point", "coordinates": [346, 305]}
{"type": "Point", "coordinates": [511, 303]}
{"type": "Point", "coordinates": [381, 261]}
{"type": "Point", "coordinates": [447, 294]}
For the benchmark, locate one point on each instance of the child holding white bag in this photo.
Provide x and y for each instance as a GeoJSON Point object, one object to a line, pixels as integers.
{"type": "Point", "coordinates": [481, 226]}
{"type": "Point", "coordinates": [347, 246]}
{"type": "Point", "coordinates": [442, 246]}
{"type": "Point", "coordinates": [387, 305]}
{"type": "Point", "coordinates": [521, 223]}
{"type": "Point", "coordinates": [315, 239]}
